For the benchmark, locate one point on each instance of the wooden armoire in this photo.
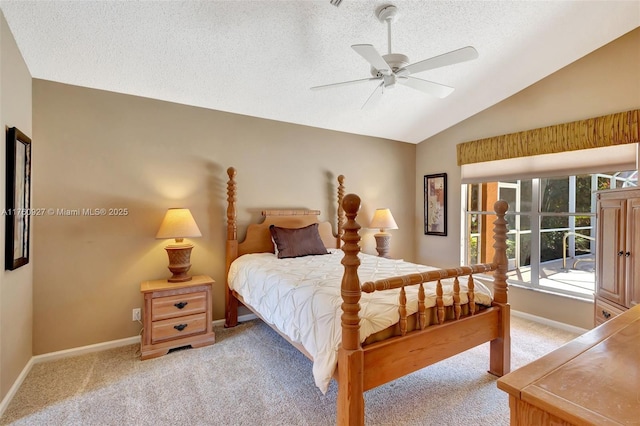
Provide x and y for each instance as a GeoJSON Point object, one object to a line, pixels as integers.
{"type": "Point", "coordinates": [617, 252]}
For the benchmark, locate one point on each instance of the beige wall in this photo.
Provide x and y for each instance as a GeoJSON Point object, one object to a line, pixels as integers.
{"type": "Point", "coordinates": [99, 149]}
{"type": "Point", "coordinates": [15, 286]}
{"type": "Point", "coordinates": [604, 82]}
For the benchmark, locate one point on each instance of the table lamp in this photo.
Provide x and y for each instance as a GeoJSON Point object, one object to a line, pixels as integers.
{"type": "Point", "coordinates": [179, 224]}
{"type": "Point", "coordinates": [383, 219]}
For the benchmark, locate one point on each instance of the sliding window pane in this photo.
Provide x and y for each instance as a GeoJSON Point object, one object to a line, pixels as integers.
{"type": "Point", "coordinates": [552, 230]}
{"type": "Point", "coordinates": [474, 196]}
{"type": "Point", "coordinates": [480, 236]}
{"type": "Point", "coordinates": [554, 195]}
{"type": "Point", "coordinates": [525, 196]}
{"type": "Point", "coordinates": [509, 195]}
{"type": "Point", "coordinates": [525, 250]}
{"type": "Point", "coordinates": [474, 226]}
{"type": "Point", "coordinates": [472, 255]}
{"type": "Point", "coordinates": [584, 221]}
{"type": "Point", "coordinates": [551, 245]}
{"type": "Point", "coordinates": [525, 222]}
{"type": "Point", "coordinates": [583, 245]}
{"type": "Point", "coordinates": [511, 221]}
{"type": "Point", "coordinates": [604, 182]}
{"type": "Point", "coordinates": [583, 193]}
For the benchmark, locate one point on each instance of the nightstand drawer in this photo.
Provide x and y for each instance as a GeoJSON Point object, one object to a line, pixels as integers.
{"type": "Point", "coordinates": [176, 328]}
{"type": "Point", "coordinates": [178, 305]}
{"type": "Point", "coordinates": [605, 311]}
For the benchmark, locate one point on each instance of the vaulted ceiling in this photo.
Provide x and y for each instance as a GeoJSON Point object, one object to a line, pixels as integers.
{"type": "Point", "coordinates": [260, 58]}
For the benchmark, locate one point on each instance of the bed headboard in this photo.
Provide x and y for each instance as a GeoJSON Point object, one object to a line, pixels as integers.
{"type": "Point", "coordinates": [258, 238]}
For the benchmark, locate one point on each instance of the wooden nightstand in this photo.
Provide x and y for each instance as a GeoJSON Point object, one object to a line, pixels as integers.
{"type": "Point", "coordinates": [176, 315]}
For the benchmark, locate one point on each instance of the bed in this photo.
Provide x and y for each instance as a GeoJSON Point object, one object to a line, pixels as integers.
{"type": "Point", "coordinates": [363, 320]}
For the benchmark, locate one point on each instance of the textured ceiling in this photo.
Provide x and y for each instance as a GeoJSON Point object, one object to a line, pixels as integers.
{"type": "Point", "coordinates": [259, 58]}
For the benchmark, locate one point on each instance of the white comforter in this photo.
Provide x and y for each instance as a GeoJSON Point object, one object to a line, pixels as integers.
{"type": "Point", "coordinates": [301, 297]}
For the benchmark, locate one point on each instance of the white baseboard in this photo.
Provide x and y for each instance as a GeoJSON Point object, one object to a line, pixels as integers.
{"type": "Point", "coordinates": [111, 344]}
{"type": "Point", "coordinates": [551, 323]}
{"type": "Point", "coordinates": [16, 385]}
{"type": "Point", "coordinates": [51, 356]}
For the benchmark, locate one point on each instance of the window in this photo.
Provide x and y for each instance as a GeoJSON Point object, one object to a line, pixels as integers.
{"type": "Point", "coordinates": [551, 239]}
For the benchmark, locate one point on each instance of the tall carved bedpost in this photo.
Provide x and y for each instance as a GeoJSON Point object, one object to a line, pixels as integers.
{"type": "Point", "coordinates": [500, 362]}
{"type": "Point", "coordinates": [341, 218]}
{"type": "Point", "coordinates": [231, 303]}
{"type": "Point", "coordinates": [350, 355]}
{"type": "Point", "coordinates": [500, 255]}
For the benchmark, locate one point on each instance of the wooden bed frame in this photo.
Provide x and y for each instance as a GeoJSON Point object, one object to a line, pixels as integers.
{"type": "Point", "coordinates": [363, 367]}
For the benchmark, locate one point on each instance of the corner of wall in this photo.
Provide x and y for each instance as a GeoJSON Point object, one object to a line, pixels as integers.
{"type": "Point", "coordinates": [16, 287]}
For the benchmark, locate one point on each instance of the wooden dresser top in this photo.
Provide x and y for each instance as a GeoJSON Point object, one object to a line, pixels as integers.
{"type": "Point", "coordinates": [593, 379]}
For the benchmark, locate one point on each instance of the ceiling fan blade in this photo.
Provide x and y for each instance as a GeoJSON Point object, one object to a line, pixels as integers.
{"type": "Point", "coordinates": [374, 97]}
{"type": "Point", "coordinates": [371, 55]}
{"type": "Point", "coordinates": [435, 89]}
{"type": "Point", "coordinates": [454, 57]}
{"type": "Point", "coordinates": [344, 83]}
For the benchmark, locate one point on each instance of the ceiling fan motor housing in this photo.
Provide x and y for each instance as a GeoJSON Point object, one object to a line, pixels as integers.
{"type": "Point", "coordinates": [395, 60]}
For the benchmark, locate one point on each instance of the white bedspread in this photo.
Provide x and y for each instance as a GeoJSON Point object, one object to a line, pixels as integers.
{"type": "Point", "coordinates": [301, 297]}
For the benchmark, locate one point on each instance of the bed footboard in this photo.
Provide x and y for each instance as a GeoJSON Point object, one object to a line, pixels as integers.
{"type": "Point", "coordinates": [362, 369]}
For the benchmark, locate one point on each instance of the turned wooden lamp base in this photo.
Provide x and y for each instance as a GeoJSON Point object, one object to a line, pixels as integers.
{"type": "Point", "coordinates": [383, 242]}
{"type": "Point", "coordinates": [179, 262]}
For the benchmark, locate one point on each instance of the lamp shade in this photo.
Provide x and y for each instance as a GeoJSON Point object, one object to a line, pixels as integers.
{"type": "Point", "coordinates": [178, 224]}
{"type": "Point", "coordinates": [383, 219]}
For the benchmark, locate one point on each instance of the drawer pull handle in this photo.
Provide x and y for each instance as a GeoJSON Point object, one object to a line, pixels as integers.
{"type": "Point", "coordinates": [180, 327]}
{"type": "Point", "coordinates": [620, 253]}
{"type": "Point", "coordinates": [180, 305]}
{"type": "Point", "coordinates": [627, 254]}
{"type": "Point", "coordinates": [605, 314]}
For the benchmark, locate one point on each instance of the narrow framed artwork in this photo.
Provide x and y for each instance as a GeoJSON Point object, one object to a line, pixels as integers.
{"type": "Point", "coordinates": [435, 204]}
{"type": "Point", "coordinates": [18, 199]}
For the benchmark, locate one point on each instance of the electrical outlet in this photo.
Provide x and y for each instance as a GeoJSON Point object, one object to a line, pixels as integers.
{"type": "Point", "coordinates": [136, 314]}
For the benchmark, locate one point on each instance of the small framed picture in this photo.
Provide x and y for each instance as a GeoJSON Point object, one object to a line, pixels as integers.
{"type": "Point", "coordinates": [435, 204]}
{"type": "Point", "coordinates": [18, 198]}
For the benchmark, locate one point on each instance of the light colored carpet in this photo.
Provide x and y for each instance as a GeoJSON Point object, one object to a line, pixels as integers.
{"type": "Point", "coordinates": [251, 376]}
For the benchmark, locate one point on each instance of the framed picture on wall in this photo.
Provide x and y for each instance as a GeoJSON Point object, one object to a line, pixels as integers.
{"type": "Point", "coordinates": [18, 199]}
{"type": "Point", "coordinates": [435, 204]}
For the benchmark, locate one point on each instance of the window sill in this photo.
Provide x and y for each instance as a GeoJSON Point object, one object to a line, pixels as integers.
{"type": "Point", "coordinates": [574, 296]}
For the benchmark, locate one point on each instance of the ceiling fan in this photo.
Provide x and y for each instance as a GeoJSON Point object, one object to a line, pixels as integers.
{"type": "Point", "coordinates": [394, 68]}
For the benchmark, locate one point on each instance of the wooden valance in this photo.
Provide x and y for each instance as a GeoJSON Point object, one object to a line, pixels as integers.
{"type": "Point", "coordinates": [612, 129]}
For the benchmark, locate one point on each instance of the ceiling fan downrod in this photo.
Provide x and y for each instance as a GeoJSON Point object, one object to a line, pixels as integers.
{"type": "Point", "coordinates": [388, 14]}
{"type": "Point", "coordinates": [397, 61]}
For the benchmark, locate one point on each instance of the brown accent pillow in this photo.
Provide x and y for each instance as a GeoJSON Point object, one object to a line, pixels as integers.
{"type": "Point", "coordinates": [297, 242]}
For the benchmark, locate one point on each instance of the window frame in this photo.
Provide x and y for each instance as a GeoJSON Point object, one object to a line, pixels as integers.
{"type": "Point", "coordinates": [536, 217]}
